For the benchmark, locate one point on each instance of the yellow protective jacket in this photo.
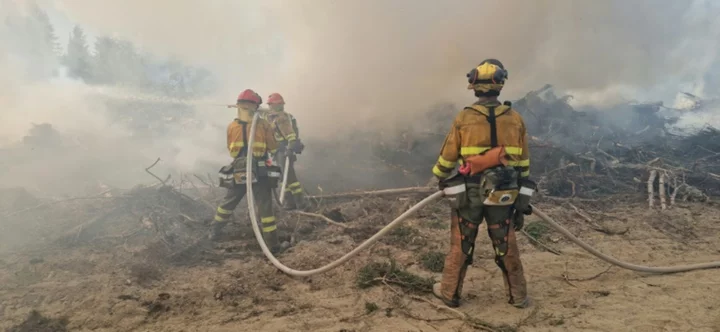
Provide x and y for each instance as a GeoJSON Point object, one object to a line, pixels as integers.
{"type": "Point", "coordinates": [284, 124]}
{"type": "Point", "coordinates": [264, 142]}
{"type": "Point", "coordinates": [470, 135]}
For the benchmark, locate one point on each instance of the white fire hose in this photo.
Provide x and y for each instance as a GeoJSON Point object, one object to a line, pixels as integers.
{"type": "Point", "coordinates": [285, 176]}
{"type": "Point", "coordinates": [430, 199]}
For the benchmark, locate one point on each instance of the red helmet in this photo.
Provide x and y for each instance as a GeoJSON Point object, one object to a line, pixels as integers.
{"type": "Point", "coordinates": [249, 95]}
{"type": "Point", "coordinates": [275, 98]}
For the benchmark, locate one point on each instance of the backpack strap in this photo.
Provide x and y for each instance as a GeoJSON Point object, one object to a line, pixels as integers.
{"type": "Point", "coordinates": [277, 129]}
{"type": "Point", "coordinates": [493, 126]}
{"type": "Point", "coordinates": [243, 151]}
{"type": "Point", "coordinates": [491, 113]}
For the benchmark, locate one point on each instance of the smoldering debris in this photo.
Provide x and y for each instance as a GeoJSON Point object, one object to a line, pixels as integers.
{"type": "Point", "coordinates": [156, 223]}
{"type": "Point", "coordinates": [586, 153]}
{"type": "Point", "coordinates": [631, 150]}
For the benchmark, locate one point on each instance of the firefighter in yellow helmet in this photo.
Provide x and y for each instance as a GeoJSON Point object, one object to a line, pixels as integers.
{"type": "Point", "coordinates": [264, 173]}
{"type": "Point", "coordinates": [287, 135]}
{"type": "Point", "coordinates": [489, 141]}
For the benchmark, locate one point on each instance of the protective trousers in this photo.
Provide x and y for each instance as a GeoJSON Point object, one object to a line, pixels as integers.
{"type": "Point", "coordinates": [263, 198]}
{"type": "Point", "coordinates": [462, 244]}
{"type": "Point", "coordinates": [294, 188]}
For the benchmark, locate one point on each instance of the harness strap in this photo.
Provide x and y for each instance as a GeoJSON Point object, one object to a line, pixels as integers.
{"type": "Point", "coordinates": [493, 126]}
{"type": "Point", "coordinates": [277, 129]}
{"type": "Point", "coordinates": [243, 151]}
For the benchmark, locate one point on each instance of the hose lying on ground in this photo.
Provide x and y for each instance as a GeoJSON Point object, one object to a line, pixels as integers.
{"type": "Point", "coordinates": [430, 199]}
{"type": "Point", "coordinates": [297, 273]}
{"type": "Point", "coordinates": [615, 261]}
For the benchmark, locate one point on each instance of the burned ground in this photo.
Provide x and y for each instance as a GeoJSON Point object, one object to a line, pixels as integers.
{"type": "Point", "coordinates": [146, 277]}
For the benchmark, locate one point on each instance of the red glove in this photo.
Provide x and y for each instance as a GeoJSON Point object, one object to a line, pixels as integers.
{"type": "Point", "coordinates": [464, 169]}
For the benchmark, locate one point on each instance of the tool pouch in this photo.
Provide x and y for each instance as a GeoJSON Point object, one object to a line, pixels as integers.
{"type": "Point", "coordinates": [522, 203]}
{"type": "Point", "coordinates": [267, 170]}
{"type": "Point", "coordinates": [239, 171]}
{"type": "Point", "coordinates": [455, 191]}
{"type": "Point", "coordinates": [274, 175]}
{"type": "Point", "coordinates": [225, 177]}
{"type": "Point", "coordinates": [500, 186]}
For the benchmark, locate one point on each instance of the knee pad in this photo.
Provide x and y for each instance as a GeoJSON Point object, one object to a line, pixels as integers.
{"type": "Point", "coordinates": [498, 233]}
{"type": "Point", "coordinates": [468, 234]}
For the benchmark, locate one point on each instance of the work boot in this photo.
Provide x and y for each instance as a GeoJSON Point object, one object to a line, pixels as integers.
{"type": "Point", "coordinates": [216, 230]}
{"type": "Point", "coordinates": [279, 249]}
{"type": "Point", "coordinates": [301, 203]}
{"type": "Point", "coordinates": [437, 291]}
{"type": "Point", "coordinates": [272, 242]}
{"type": "Point", "coordinates": [526, 302]}
{"type": "Point", "coordinates": [290, 204]}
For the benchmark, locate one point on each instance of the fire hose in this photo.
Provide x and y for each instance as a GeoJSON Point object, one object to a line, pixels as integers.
{"type": "Point", "coordinates": [426, 201]}
{"type": "Point", "coordinates": [285, 177]}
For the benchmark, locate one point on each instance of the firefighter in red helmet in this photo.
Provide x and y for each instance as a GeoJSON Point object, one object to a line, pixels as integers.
{"type": "Point", "coordinates": [263, 180]}
{"type": "Point", "coordinates": [287, 136]}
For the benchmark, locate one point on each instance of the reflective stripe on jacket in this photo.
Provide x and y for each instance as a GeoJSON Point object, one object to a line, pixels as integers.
{"type": "Point", "coordinates": [470, 135]}
{"type": "Point", "coordinates": [284, 124]}
{"type": "Point", "coordinates": [264, 139]}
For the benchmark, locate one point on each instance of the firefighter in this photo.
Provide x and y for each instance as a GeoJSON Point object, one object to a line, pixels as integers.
{"type": "Point", "coordinates": [286, 133]}
{"type": "Point", "coordinates": [489, 138]}
{"type": "Point", "coordinates": [264, 144]}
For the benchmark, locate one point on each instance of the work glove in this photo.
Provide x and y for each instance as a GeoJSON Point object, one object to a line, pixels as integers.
{"type": "Point", "coordinates": [522, 202]}
{"type": "Point", "coordinates": [227, 170]}
{"type": "Point", "coordinates": [518, 219]}
{"type": "Point", "coordinates": [296, 146]}
{"type": "Point", "coordinates": [441, 183]}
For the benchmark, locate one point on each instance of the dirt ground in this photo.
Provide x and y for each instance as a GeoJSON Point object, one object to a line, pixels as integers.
{"type": "Point", "coordinates": [110, 283]}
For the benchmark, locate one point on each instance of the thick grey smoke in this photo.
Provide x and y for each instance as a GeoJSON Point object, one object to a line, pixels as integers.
{"type": "Point", "coordinates": [343, 60]}
{"type": "Point", "coordinates": [346, 64]}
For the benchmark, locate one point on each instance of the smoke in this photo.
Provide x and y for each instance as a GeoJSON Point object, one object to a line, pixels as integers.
{"type": "Point", "coordinates": [347, 60]}
{"type": "Point", "coordinates": [347, 64]}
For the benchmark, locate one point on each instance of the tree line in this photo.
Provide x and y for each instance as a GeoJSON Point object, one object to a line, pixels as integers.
{"type": "Point", "coordinates": [113, 61]}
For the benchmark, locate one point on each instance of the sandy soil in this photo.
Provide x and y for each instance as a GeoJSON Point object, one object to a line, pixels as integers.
{"type": "Point", "coordinates": [229, 286]}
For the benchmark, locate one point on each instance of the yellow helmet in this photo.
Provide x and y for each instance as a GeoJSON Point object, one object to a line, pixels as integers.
{"type": "Point", "coordinates": [488, 78]}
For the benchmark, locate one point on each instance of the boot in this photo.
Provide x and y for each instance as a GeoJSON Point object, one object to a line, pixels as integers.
{"type": "Point", "coordinates": [216, 230]}
{"type": "Point", "coordinates": [526, 302]}
{"type": "Point", "coordinates": [300, 202]}
{"type": "Point", "coordinates": [437, 291]}
{"type": "Point", "coordinates": [273, 243]}
{"type": "Point", "coordinates": [289, 203]}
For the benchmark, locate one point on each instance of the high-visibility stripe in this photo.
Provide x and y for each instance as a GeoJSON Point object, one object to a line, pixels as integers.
{"type": "Point", "coordinates": [519, 163]}
{"type": "Point", "coordinates": [241, 144]}
{"type": "Point", "coordinates": [513, 150]}
{"type": "Point", "coordinates": [236, 144]}
{"type": "Point", "coordinates": [258, 148]}
{"type": "Point", "coordinates": [473, 150]}
{"type": "Point", "coordinates": [294, 185]}
{"type": "Point", "coordinates": [220, 219]}
{"type": "Point", "coordinates": [296, 191]}
{"type": "Point", "coordinates": [445, 163]}
{"type": "Point", "coordinates": [440, 173]}
{"type": "Point", "coordinates": [269, 229]}
{"type": "Point", "coordinates": [525, 174]}
{"type": "Point", "coordinates": [267, 220]}
{"type": "Point", "coordinates": [223, 211]}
